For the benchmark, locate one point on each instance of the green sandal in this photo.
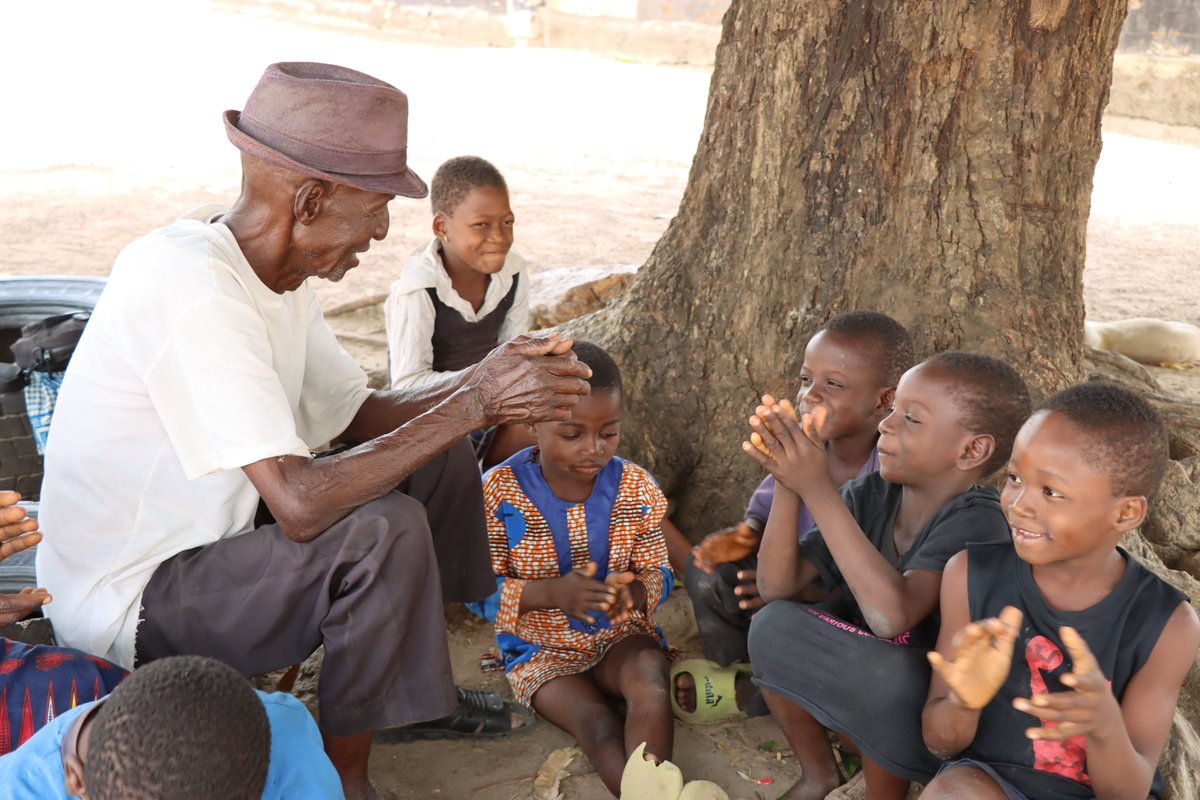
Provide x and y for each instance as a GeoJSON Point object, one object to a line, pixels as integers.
{"type": "Point", "coordinates": [716, 691]}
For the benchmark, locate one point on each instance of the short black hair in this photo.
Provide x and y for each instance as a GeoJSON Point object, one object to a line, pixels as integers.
{"type": "Point", "coordinates": [1122, 434]}
{"type": "Point", "coordinates": [991, 398]}
{"type": "Point", "coordinates": [457, 177]}
{"type": "Point", "coordinates": [605, 372]}
{"type": "Point", "coordinates": [891, 346]}
{"type": "Point", "coordinates": [185, 726]}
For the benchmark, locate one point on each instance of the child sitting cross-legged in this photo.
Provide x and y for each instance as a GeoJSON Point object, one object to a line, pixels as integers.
{"type": "Point", "coordinates": [577, 546]}
{"type": "Point", "coordinates": [855, 663]}
{"type": "Point", "coordinates": [851, 366]}
{"type": "Point", "coordinates": [1060, 657]}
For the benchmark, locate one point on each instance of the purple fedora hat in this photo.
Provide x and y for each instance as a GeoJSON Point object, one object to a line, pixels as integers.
{"type": "Point", "coordinates": [328, 122]}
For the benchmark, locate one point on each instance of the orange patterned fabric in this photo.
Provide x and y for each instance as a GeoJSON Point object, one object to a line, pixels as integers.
{"type": "Point", "coordinates": [542, 644]}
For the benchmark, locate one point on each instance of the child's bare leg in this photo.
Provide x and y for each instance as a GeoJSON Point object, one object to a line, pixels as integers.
{"type": "Point", "coordinates": [576, 704]}
{"type": "Point", "coordinates": [963, 783]}
{"type": "Point", "coordinates": [811, 746]}
{"type": "Point", "coordinates": [637, 670]}
{"type": "Point", "coordinates": [881, 784]}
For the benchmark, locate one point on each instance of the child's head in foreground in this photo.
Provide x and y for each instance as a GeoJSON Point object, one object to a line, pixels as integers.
{"type": "Point", "coordinates": [1083, 470]}
{"type": "Point", "coordinates": [954, 418]}
{"type": "Point", "coordinates": [179, 727]}
{"type": "Point", "coordinates": [851, 366]}
{"type": "Point", "coordinates": [574, 450]}
{"type": "Point", "coordinates": [471, 215]}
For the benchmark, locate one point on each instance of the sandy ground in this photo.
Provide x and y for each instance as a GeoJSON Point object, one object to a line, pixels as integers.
{"type": "Point", "coordinates": [114, 128]}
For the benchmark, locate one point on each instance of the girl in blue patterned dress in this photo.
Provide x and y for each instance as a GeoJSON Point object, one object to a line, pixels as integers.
{"type": "Point", "coordinates": [577, 546]}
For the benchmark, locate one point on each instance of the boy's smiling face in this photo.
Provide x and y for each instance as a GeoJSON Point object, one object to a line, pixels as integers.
{"type": "Point", "coordinates": [573, 451]}
{"type": "Point", "coordinates": [923, 439]}
{"type": "Point", "coordinates": [478, 233]}
{"type": "Point", "coordinates": [841, 375]}
{"type": "Point", "coordinates": [1060, 505]}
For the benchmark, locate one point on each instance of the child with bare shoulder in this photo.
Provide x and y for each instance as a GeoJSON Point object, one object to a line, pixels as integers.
{"type": "Point", "coordinates": [577, 547]}
{"type": "Point", "coordinates": [850, 369]}
{"type": "Point", "coordinates": [855, 663]}
{"type": "Point", "coordinates": [1060, 657]}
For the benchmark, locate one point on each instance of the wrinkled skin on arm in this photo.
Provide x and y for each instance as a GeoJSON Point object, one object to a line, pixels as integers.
{"type": "Point", "coordinates": [525, 380]}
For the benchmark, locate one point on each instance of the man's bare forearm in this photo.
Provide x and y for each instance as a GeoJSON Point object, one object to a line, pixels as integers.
{"type": "Point", "coordinates": [385, 410]}
{"type": "Point", "coordinates": [307, 496]}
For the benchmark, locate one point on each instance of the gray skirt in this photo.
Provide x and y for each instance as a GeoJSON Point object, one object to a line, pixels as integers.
{"type": "Point", "coordinates": [869, 689]}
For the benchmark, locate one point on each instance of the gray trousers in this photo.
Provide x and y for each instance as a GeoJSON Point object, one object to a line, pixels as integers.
{"type": "Point", "coordinates": [369, 589]}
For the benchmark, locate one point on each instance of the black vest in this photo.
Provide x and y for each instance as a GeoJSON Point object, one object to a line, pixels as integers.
{"type": "Point", "coordinates": [457, 344]}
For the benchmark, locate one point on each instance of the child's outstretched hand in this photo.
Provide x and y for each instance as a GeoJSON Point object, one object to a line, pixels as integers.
{"type": "Point", "coordinates": [622, 607]}
{"type": "Point", "coordinates": [578, 593]}
{"type": "Point", "coordinates": [1088, 707]}
{"type": "Point", "coordinates": [982, 657]}
{"type": "Point", "coordinates": [724, 546]}
{"type": "Point", "coordinates": [792, 450]}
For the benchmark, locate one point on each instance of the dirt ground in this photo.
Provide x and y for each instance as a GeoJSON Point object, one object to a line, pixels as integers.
{"type": "Point", "coordinates": [119, 131]}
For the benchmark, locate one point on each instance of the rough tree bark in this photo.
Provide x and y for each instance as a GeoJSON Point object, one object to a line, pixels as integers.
{"type": "Point", "coordinates": [932, 159]}
{"type": "Point", "coordinates": [928, 159]}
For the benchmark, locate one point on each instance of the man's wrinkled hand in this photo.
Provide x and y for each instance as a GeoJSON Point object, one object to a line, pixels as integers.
{"type": "Point", "coordinates": [16, 607]}
{"type": "Point", "coordinates": [530, 380]}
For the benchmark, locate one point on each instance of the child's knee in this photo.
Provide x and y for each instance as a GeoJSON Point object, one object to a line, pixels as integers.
{"type": "Point", "coordinates": [767, 629]}
{"type": "Point", "coordinates": [963, 783]}
{"type": "Point", "coordinates": [709, 589]}
{"type": "Point", "coordinates": [647, 673]}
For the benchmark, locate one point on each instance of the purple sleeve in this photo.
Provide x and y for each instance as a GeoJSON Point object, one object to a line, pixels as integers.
{"type": "Point", "coordinates": [759, 508]}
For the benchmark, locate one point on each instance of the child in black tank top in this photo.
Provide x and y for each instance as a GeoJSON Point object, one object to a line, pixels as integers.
{"type": "Point", "coordinates": [1060, 657]}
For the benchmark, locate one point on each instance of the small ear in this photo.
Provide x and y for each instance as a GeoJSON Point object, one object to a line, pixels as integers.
{"type": "Point", "coordinates": [307, 202]}
{"type": "Point", "coordinates": [73, 776]}
{"type": "Point", "coordinates": [977, 451]}
{"type": "Point", "coordinates": [1132, 512]}
{"type": "Point", "coordinates": [886, 398]}
{"type": "Point", "coordinates": [439, 225]}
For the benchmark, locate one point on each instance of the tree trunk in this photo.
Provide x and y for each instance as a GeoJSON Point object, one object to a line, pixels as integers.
{"type": "Point", "coordinates": [932, 160]}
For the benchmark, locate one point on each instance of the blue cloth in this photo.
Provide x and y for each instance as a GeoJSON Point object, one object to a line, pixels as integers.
{"type": "Point", "coordinates": [299, 769]}
{"type": "Point", "coordinates": [41, 393]}
{"type": "Point", "coordinates": [17, 571]}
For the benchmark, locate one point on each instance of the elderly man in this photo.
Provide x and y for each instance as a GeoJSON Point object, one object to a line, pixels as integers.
{"type": "Point", "coordinates": [202, 385]}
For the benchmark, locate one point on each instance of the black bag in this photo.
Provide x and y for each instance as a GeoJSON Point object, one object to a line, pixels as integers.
{"type": "Point", "coordinates": [47, 345]}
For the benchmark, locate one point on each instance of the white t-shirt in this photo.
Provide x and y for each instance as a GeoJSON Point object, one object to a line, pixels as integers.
{"type": "Point", "coordinates": [409, 314]}
{"type": "Point", "coordinates": [189, 369]}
